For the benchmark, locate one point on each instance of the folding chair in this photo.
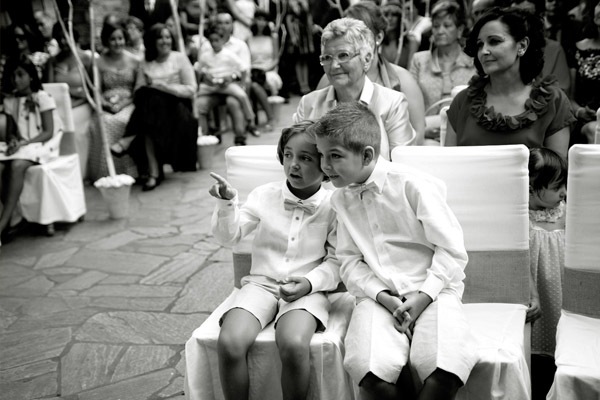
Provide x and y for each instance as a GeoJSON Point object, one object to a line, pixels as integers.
{"type": "Point", "coordinates": [248, 167]}
{"type": "Point", "coordinates": [53, 192]}
{"type": "Point", "coordinates": [577, 353]}
{"type": "Point", "coordinates": [487, 188]}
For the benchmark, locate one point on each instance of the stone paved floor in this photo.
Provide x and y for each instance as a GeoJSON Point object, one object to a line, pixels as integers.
{"type": "Point", "coordinates": [102, 310]}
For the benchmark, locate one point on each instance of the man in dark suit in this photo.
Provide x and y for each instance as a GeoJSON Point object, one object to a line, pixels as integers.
{"type": "Point", "coordinates": [150, 11]}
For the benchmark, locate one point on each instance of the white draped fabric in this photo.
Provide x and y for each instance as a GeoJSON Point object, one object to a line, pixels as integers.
{"type": "Point", "coordinates": [487, 188]}
{"type": "Point", "coordinates": [577, 353]}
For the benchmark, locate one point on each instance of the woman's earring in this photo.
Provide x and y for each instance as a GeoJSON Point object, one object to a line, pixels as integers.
{"type": "Point", "coordinates": [521, 53]}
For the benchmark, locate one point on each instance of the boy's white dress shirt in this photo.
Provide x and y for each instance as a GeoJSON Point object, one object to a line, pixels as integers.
{"type": "Point", "coordinates": [396, 232]}
{"type": "Point", "coordinates": [288, 242]}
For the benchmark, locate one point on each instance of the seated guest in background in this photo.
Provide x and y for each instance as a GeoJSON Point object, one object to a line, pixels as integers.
{"type": "Point", "coordinates": [23, 43]}
{"type": "Point", "coordinates": [163, 125]}
{"type": "Point", "coordinates": [446, 66]}
{"type": "Point", "coordinates": [547, 194]}
{"type": "Point", "coordinates": [264, 56]}
{"type": "Point", "coordinates": [384, 72]}
{"type": "Point", "coordinates": [407, 18]}
{"type": "Point", "coordinates": [134, 27]}
{"type": "Point", "coordinates": [505, 103]}
{"type": "Point", "coordinates": [118, 70]}
{"type": "Point", "coordinates": [33, 138]}
{"type": "Point", "coordinates": [204, 104]}
{"type": "Point", "coordinates": [45, 24]}
{"type": "Point", "coordinates": [221, 70]}
{"type": "Point", "coordinates": [150, 12]}
{"type": "Point", "coordinates": [65, 68]}
{"type": "Point", "coordinates": [585, 95]}
{"type": "Point", "coordinates": [346, 55]}
{"type": "Point", "coordinates": [555, 59]}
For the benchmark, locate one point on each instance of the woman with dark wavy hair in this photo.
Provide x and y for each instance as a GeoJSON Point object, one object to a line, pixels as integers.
{"type": "Point", "coordinates": [507, 103]}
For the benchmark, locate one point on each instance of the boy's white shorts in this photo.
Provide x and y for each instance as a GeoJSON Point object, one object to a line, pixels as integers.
{"type": "Point", "coordinates": [260, 297]}
{"type": "Point", "coordinates": [441, 339]}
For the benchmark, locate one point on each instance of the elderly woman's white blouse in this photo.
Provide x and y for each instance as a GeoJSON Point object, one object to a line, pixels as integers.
{"type": "Point", "coordinates": [389, 106]}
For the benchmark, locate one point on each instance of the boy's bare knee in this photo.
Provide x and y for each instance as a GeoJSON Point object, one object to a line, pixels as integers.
{"type": "Point", "coordinates": [372, 387]}
{"type": "Point", "coordinates": [231, 346]}
{"type": "Point", "coordinates": [444, 379]}
{"type": "Point", "coordinates": [292, 347]}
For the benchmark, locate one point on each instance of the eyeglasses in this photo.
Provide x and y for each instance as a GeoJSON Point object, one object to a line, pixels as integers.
{"type": "Point", "coordinates": [341, 57]}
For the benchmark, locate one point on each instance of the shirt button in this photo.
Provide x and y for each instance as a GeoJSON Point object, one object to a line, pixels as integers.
{"type": "Point", "coordinates": [293, 239]}
{"type": "Point", "coordinates": [287, 260]}
{"type": "Point", "coordinates": [297, 218]}
{"type": "Point", "coordinates": [375, 226]}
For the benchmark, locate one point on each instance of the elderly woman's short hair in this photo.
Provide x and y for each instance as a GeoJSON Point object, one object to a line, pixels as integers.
{"type": "Point", "coordinates": [521, 24]}
{"type": "Point", "coordinates": [352, 30]}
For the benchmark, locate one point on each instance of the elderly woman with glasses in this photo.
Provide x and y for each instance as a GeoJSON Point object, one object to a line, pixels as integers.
{"type": "Point", "coordinates": [346, 55]}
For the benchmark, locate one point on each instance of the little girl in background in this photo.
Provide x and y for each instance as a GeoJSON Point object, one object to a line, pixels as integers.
{"type": "Point", "coordinates": [35, 139]}
{"type": "Point", "coordinates": [293, 264]}
{"type": "Point", "coordinates": [547, 193]}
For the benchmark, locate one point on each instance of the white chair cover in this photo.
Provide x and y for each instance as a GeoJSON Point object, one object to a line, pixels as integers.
{"type": "Point", "coordinates": [248, 167]}
{"type": "Point", "coordinates": [53, 192]}
{"type": "Point", "coordinates": [488, 191]}
{"type": "Point", "coordinates": [577, 354]}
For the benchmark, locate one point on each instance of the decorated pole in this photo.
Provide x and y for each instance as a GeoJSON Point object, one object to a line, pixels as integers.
{"type": "Point", "coordinates": [68, 34]}
{"type": "Point", "coordinates": [402, 32]}
{"type": "Point", "coordinates": [97, 97]}
{"type": "Point", "coordinates": [178, 32]}
{"type": "Point", "coordinates": [201, 25]}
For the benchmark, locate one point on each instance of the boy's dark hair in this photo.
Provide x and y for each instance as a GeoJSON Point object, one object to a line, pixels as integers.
{"type": "Point", "coordinates": [546, 168]}
{"type": "Point", "coordinates": [307, 127]}
{"type": "Point", "coordinates": [29, 67]}
{"type": "Point", "coordinates": [352, 125]}
{"type": "Point", "coordinates": [520, 24]}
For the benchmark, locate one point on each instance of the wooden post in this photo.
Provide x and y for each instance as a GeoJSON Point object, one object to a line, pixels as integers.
{"type": "Point", "coordinates": [402, 32]}
{"type": "Point", "coordinates": [178, 32]}
{"type": "Point", "coordinates": [97, 97]}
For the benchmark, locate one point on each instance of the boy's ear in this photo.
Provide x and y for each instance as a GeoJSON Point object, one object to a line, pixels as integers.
{"type": "Point", "coordinates": [368, 155]}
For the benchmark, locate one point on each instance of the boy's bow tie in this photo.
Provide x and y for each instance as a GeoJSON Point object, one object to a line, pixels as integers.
{"type": "Point", "coordinates": [289, 205]}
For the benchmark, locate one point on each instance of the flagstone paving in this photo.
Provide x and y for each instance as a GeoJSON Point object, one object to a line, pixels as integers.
{"type": "Point", "coordinates": [102, 309]}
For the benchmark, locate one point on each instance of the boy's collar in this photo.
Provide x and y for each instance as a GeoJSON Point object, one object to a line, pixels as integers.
{"type": "Point", "coordinates": [314, 199]}
{"type": "Point", "coordinates": [376, 179]}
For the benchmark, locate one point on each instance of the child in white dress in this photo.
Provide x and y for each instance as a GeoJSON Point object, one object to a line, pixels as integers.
{"type": "Point", "coordinates": [293, 264]}
{"type": "Point", "coordinates": [35, 139]}
{"type": "Point", "coordinates": [402, 255]}
{"type": "Point", "coordinates": [547, 193]}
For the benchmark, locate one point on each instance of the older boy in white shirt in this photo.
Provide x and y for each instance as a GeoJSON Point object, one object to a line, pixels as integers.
{"type": "Point", "coordinates": [402, 255]}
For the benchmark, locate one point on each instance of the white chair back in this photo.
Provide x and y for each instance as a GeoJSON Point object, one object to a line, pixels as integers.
{"type": "Point", "coordinates": [581, 282]}
{"type": "Point", "coordinates": [252, 166]}
{"type": "Point", "coordinates": [60, 94]}
{"type": "Point", "coordinates": [487, 188]}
